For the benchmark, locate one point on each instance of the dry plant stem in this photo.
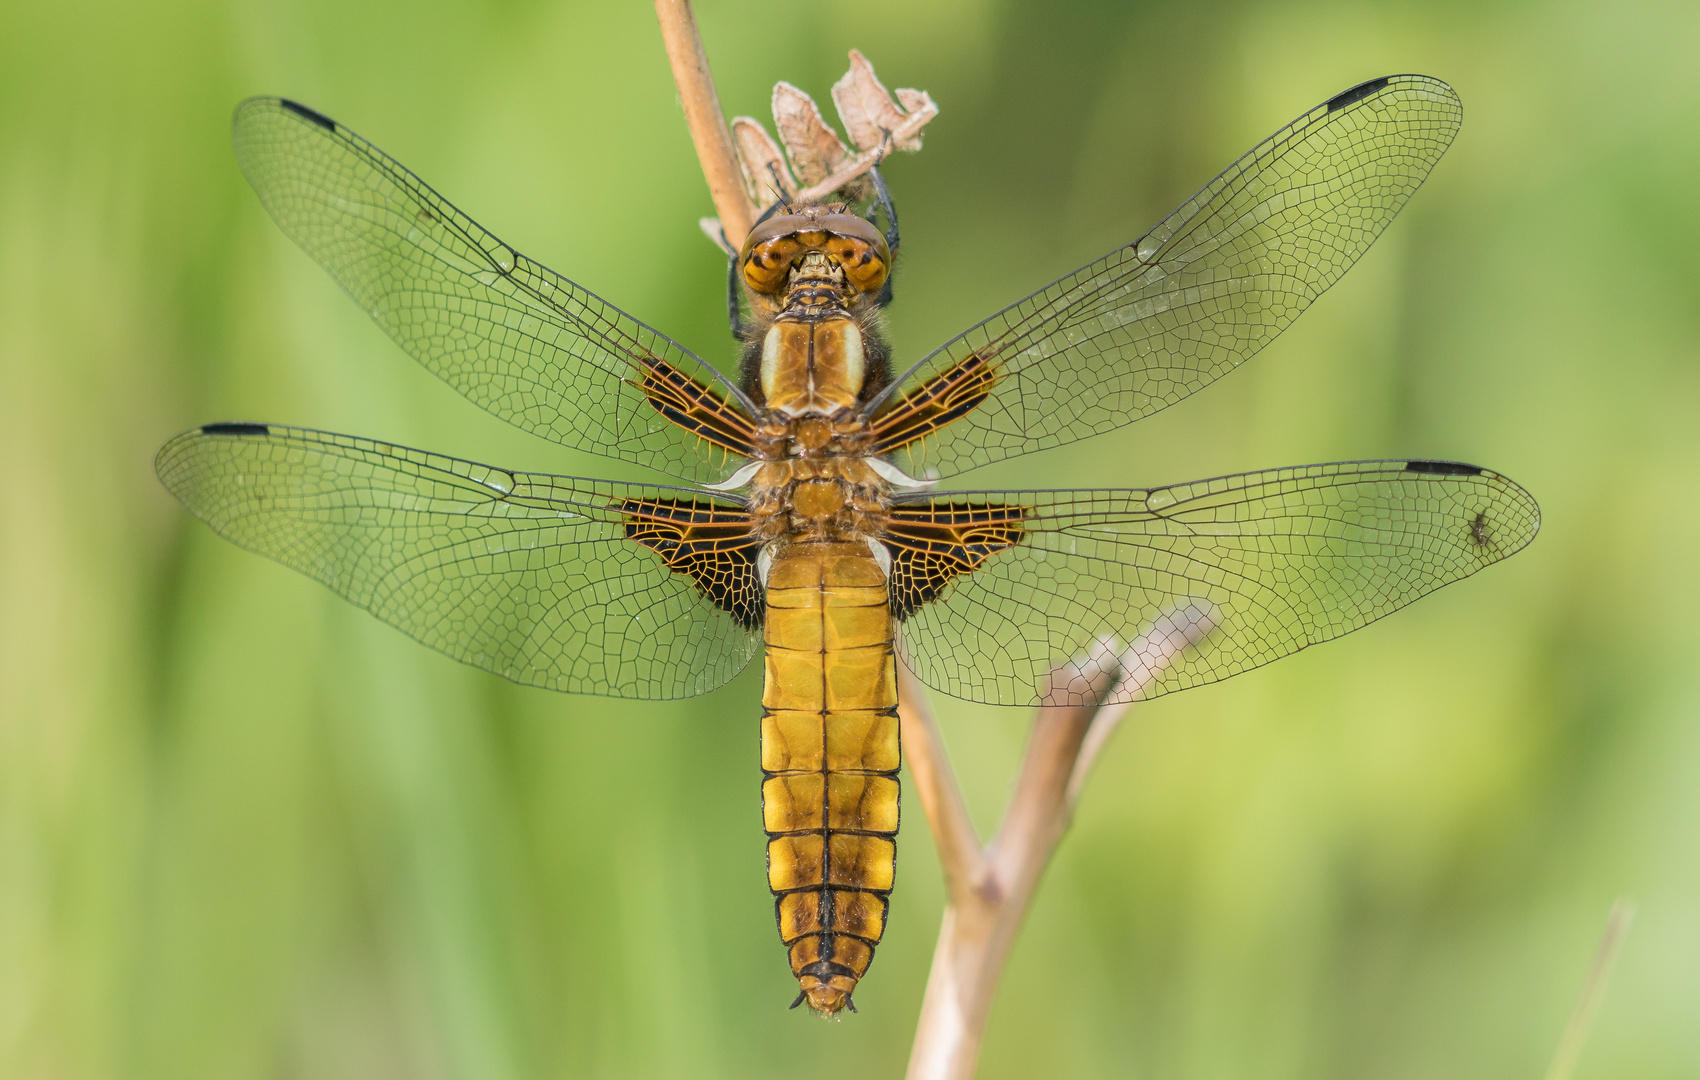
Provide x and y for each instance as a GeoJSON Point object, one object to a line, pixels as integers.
{"type": "Point", "coordinates": [935, 783]}
{"type": "Point", "coordinates": [989, 886]}
{"type": "Point", "coordinates": [986, 917]}
{"type": "Point", "coordinates": [702, 114]}
{"type": "Point", "coordinates": [864, 161]}
{"type": "Point", "coordinates": [1141, 663]}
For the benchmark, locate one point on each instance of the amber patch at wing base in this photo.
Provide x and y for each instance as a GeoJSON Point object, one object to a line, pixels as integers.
{"type": "Point", "coordinates": [710, 543]}
{"type": "Point", "coordinates": [933, 543]}
{"type": "Point", "coordinates": [691, 405]}
{"type": "Point", "coordinates": [946, 397]}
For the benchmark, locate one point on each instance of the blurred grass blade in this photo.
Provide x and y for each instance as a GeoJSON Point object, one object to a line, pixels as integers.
{"type": "Point", "coordinates": [1593, 990]}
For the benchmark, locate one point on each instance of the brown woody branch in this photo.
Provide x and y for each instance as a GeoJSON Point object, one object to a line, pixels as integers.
{"type": "Point", "coordinates": [702, 114]}
{"type": "Point", "coordinates": [989, 885]}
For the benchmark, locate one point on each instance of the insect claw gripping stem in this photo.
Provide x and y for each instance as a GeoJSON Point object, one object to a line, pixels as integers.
{"type": "Point", "coordinates": [883, 201]}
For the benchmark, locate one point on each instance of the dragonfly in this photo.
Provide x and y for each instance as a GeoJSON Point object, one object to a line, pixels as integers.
{"type": "Point", "coordinates": [797, 509]}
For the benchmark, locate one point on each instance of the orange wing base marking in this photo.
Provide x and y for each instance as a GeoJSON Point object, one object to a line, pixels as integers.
{"type": "Point", "coordinates": [931, 544]}
{"type": "Point", "coordinates": [946, 397]}
{"type": "Point", "coordinates": [696, 408]}
{"type": "Point", "coordinates": [712, 544]}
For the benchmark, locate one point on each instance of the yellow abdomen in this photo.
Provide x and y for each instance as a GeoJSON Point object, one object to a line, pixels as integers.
{"type": "Point", "coordinates": [829, 749]}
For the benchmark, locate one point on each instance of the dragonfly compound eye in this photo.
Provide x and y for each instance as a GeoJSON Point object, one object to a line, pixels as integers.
{"type": "Point", "coordinates": [768, 264]}
{"type": "Point", "coordinates": [865, 265]}
{"type": "Point", "coordinates": [776, 245]}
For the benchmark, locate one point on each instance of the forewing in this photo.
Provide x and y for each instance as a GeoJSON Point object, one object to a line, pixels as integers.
{"type": "Point", "coordinates": [1275, 560]}
{"type": "Point", "coordinates": [1189, 301]}
{"type": "Point", "coordinates": [550, 581]}
{"type": "Point", "coordinates": [513, 336]}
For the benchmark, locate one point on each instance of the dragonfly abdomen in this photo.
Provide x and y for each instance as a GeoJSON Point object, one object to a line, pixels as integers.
{"type": "Point", "coordinates": [829, 762]}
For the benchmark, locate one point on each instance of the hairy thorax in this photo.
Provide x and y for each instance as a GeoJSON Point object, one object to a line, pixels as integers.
{"type": "Point", "coordinates": [818, 485]}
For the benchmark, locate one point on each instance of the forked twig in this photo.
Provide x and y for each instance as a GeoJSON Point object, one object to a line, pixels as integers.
{"type": "Point", "coordinates": [989, 885]}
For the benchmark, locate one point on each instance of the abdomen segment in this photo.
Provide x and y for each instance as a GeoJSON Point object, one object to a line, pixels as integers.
{"type": "Point", "coordinates": [829, 747]}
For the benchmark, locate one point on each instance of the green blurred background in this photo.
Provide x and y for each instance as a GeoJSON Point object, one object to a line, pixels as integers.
{"type": "Point", "coordinates": [247, 831]}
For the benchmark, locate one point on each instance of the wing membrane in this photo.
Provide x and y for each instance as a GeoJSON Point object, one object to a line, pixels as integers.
{"type": "Point", "coordinates": [550, 581]}
{"type": "Point", "coordinates": [512, 335]}
{"type": "Point", "coordinates": [1201, 293]}
{"type": "Point", "coordinates": [1277, 560]}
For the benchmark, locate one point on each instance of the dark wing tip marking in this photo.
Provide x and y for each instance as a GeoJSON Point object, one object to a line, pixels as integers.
{"type": "Point", "coordinates": [1443, 468]}
{"type": "Point", "coordinates": [1352, 96]}
{"type": "Point", "coordinates": [235, 429]}
{"type": "Point", "coordinates": [326, 122]}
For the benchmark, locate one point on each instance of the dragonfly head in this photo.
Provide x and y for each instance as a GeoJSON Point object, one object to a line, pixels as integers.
{"type": "Point", "coordinates": [814, 249]}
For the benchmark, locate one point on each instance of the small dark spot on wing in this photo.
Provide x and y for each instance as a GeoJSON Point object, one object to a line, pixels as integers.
{"type": "Point", "coordinates": [1443, 468]}
{"type": "Point", "coordinates": [1480, 535]}
{"type": "Point", "coordinates": [1356, 93]}
{"type": "Point", "coordinates": [235, 429]}
{"type": "Point", "coordinates": [326, 122]}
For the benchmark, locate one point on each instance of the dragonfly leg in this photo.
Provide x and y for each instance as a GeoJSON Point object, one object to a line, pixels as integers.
{"type": "Point", "coordinates": [882, 201]}
{"type": "Point", "coordinates": [734, 310]}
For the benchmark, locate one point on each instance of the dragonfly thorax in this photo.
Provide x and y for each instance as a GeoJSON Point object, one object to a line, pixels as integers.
{"type": "Point", "coordinates": [813, 367]}
{"type": "Point", "coordinates": [839, 498]}
{"type": "Point", "coordinates": [814, 372]}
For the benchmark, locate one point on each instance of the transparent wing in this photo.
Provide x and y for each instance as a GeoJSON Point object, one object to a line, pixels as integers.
{"type": "Point", "coordinates": [530, 576]}
{"type": "Point", "coordinates": [1276, 560]}
{"type": "Point", "coordinates": [1218, 279]}
{"type": "Point", "coordinates": [515, 337]}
